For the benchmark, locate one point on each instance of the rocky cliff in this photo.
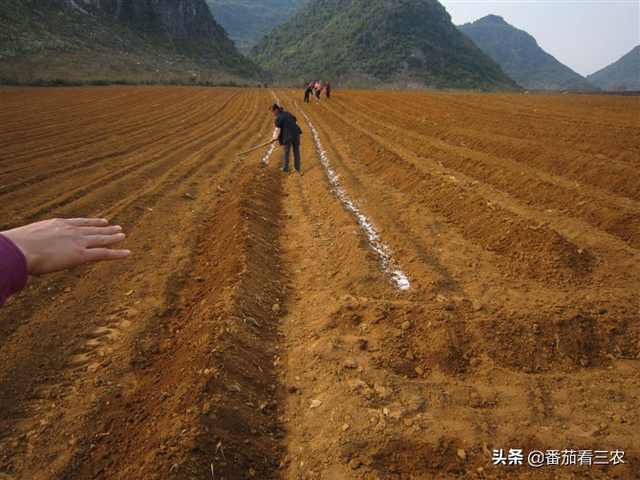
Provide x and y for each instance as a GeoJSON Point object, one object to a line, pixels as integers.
{"type": "Point", "coordinates": [116, 40]}
{"type": "Point", "coordinates": [177, 19]}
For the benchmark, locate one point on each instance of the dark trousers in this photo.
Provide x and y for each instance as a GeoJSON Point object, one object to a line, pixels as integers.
{"type": "Point", "coordinates": [306, 97]}
{"type": "Point", "coordinates": [328, 93]}
{"type": "Point", "coordinates": [286, 148]}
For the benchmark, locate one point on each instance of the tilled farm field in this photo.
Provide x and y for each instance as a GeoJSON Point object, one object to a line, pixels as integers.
{"type": "Point", "coordinates": [454, 274]}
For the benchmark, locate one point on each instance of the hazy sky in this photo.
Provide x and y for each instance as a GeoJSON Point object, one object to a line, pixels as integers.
{"type": "Point", "coordinates": [585, 35]}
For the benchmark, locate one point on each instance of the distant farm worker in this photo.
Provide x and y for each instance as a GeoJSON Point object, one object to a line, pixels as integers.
{"type": "Point", "coordinates": [327, 89]}
{"type": "Point", "coordinates": [308, 92]}
{"type": "Point", "coordinates": [288, 133]}
{"type": "Point", "coordinates": [53, 245]}
{"type": "Point", "coordinates": [318, 89]}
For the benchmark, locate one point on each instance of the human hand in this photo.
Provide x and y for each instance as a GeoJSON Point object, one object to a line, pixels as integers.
{"type": "Point", "coordinates": [272, 140]}
{"type": "Point", "coordinates": [59, 244]}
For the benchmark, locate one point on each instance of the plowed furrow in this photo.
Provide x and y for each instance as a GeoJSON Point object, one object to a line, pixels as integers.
{"type": "Point", "coordinates": [569, 127]}
{"type": "Point", "coordinates": [43, 124]}
{"type": "Point", "coordinates": [511, 237]}
{"type": "Point", "coordinates": [215, 156]}
{"type": "Point", "coordinates": [25, 118]}
{"type": "Point", "coordinates": [621, 178]}
{"type": "Point", "coordinates": [160, 156]}
{"type": "Point", "coordinates": [614, 215]}
{"type": "Point", "coordinates": [138, 138]}
{"type": "Point", "coordinates": [221, 347]}
{"type": "Point", "coordinates": [416, 237]}
{"type": "Point", "coordinates": [81, 138]}
{"type": "Point", "coordinates": [166, 263]}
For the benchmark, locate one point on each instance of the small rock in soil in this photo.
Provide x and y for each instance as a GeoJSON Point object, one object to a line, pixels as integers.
{"type": "Point", "coordinates": [380, 390]}
{"type": "Point", "coordinates": [350, 363]}
{"type": "Point", "coordinates": [357, 385]}
{"type": "Point", "coordinates": [475, 400]}
{"type": "Point", "coordinates": [618, 419]}
{"type": "Point", "coordinates": [462, 454]}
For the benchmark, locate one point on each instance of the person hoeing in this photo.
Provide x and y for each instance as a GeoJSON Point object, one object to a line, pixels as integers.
{"type": "Point", "coordinates": [288, 133]}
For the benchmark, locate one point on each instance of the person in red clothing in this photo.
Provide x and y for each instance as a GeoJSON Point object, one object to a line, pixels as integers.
{"type": "Point", "coordinates": [327, 89]}
{"type": "Point", "coordinates": [53, 245]}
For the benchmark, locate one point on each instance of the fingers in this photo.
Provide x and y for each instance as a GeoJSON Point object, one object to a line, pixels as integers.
{"type": "Point", "coordinates": [100, 254]}
{"type": "Point", "coordinates": [97, 235]}
{"type": "Point", "coordinates": [112, 230]}
{"type": "Point", "coordinates": [87, 222]}
{"type": "Point", "coordinates": [95, 241]}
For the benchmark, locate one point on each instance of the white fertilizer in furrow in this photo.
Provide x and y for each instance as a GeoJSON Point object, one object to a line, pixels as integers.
{"type": "Point", "coordinates": [266, 156]}
{"type": "Point", "coordinates": [388, 264]}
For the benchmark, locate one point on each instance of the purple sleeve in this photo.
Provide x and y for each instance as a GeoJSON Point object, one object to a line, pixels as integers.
{"type": "Point", "coordinates": [13, 269]}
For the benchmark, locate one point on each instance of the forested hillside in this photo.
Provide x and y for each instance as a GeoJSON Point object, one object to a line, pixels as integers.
{"type": "Point", "coordinates": [622, 75]}
{"type": "Point", "coordinates": [378, 42]}
{"type": "Point", "coordinates": [521, 58]}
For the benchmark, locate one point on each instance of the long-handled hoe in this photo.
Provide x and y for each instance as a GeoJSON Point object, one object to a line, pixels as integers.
{"type": "Point", "coordinates": [252, 149]}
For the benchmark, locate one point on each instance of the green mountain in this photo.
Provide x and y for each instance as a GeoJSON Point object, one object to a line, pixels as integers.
{"type": "Point", "coordinates": [621, 75]}
{"type": "Point", "coordinates": [374, 42]}
{"type": "Point", "coordinates": [246, 21]}
{"type": "Point", "coordinates": [519, 55]}
{"type": "Point", "coordinates": [155, 41]}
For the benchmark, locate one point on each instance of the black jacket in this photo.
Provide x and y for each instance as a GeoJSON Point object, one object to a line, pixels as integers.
{"type": "Point", "coordinates": [288, 126]}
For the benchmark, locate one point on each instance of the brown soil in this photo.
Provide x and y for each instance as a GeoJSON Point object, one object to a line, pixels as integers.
{"type": "Point", "coordinates": [253, 333]}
